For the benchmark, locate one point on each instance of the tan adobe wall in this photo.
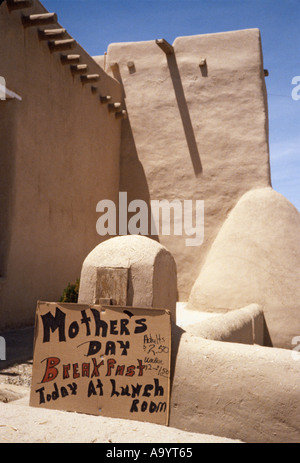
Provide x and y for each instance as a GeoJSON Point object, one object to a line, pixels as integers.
{"type": "Point", "coordinates": [245, 326]}
{"type": "Point", "coordinates": [240, 391]}
{"type": "Point", "coordinates": [194, 132]}
{"type": "Point", "coordinates": [256, 258]}
{"type": "Point", "coordinates": [59, 156]}
{"type": "Point", "coordinates": [147, 275]}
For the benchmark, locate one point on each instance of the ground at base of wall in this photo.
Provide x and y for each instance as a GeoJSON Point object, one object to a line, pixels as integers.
{"type": "Point", "coordinates": [20, 423]}
{"type": "Point", "coordinates": [18, 374]}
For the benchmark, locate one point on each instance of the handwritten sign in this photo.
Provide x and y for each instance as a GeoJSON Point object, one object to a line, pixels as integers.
{"type": "Point", "coordinates": [102, 360]}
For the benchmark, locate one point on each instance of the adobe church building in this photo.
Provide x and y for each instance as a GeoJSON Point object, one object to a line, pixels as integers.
{"type": "Point", "coordinates": [60, 154]}
{"type": "Point", "coordinates": [197, 129]}
{"type": "Point", "coordinates": [157, 121]}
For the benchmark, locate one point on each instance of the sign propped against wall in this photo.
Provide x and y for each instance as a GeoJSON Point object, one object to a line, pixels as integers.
{"type": "Point", "coordinates": [102, 360]}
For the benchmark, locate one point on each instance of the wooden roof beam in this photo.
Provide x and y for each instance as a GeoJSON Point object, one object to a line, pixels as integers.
{"type": "Point", "coordinates": [49, 34]}
{"type": "Point", "coordinates": [39, 19]}
{"type": "Point", "coordinates": [165, 46]}
{"type": "Point", "coordinates": [58, 45]}
{"type": "Point", "coordinates": [18, 4]}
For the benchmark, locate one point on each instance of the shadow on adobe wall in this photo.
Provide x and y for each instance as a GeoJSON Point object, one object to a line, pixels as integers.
{"type": "Point", "coordinates": [132, 175]}
{"type": "Point", "coordinates": [184, 113]}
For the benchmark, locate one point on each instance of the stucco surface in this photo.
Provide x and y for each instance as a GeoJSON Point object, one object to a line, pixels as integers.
{"type": "Point", "coordinates": [152, 276]}
{"type": "Point", "coordinates": [256, 258]}
{"type": "Point", "coordinates": [59, 156]}
{"type": "Point", "coordinates": [245, 326]}
{"type": "Point", "coordinates": [247, 392]}
{"type": "Point", "coordinates": [24, 424]}
{"type": "Point", "coordinates": [231, 389]}
{"type": "Point", "coordinates": [193, 132]}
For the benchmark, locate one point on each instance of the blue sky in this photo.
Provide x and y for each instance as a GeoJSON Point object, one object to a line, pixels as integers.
{"type": "Point", "coordinates": [97, 23]}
